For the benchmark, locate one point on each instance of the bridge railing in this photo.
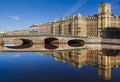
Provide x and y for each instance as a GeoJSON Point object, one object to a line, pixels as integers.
{"type": "Point", "coordinates": [38, 35]}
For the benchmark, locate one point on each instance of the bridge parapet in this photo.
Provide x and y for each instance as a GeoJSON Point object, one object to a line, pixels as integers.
{"type": "Point", "coordinates": [39, 35]}
{"type": "Point", "coordinates": [40, 39]}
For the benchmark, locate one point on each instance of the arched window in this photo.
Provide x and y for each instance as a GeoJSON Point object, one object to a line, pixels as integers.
{"type": "Point", "coordinates": [108, 11]}
{"type": "Point", "coordinates": [69, 29]}
{"type": "Point", "coordinates": [102, 10]}
{"type": "Point", "coordinates": [59, 29]}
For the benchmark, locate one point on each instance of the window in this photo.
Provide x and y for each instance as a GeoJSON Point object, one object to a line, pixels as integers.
{"type": "Point", "coordinates": [69, 29]}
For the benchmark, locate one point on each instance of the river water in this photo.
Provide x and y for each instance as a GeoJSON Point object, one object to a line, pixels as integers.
{"type": "Point", "coordinates": [81, 64]}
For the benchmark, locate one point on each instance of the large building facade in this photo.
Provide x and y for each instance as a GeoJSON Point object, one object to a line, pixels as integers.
{"type": "Point", "coordinates": [104, 24]}
{"type": "Point", "coordinates": [43, 29]}
{"type": "Point", "coordinates": [89, 26]}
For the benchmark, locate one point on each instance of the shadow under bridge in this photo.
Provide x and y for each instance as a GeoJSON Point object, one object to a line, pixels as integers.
{"type": "Point", "coordinates": [26, 44]}
{"type": "Point", "coordinates": [76, 43]}
{"type": "Point", "coordinates": [51, 43]}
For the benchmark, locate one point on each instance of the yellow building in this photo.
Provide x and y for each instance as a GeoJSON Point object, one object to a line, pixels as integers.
{"type": "Point", "coordinates": [43, 29]}
{"type": "Point", "coordinates": [72, 26]}
{"type": "Point", "coordinates": [89, 26]}
{"type": "Point", "coordinates": [104, 24]}
{"type": "Point", "coordinates": [18, 32]}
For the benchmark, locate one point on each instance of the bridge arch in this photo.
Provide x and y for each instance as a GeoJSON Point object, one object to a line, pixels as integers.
{"type": "Point", "coordinates": [51, 43]}
{"type": "Point", "coordinates": [76, 43]}
{"type": "Point", "coordinates": [25, 44]}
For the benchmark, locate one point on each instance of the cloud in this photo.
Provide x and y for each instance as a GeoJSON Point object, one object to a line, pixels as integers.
{"type": "Point", "coordinates": [75, 7]}
{"type": "Point", "coordinates": [15, 17]}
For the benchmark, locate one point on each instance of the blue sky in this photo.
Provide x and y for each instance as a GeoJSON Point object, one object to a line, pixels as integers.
{"type": "Point", "coordinates": [20, 14]}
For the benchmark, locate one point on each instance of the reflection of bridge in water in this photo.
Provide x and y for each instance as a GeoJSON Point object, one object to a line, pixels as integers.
{"type": "Point", "coordinates": [104, 57]}
{"type": "Point", "coordinates": [39, 48]}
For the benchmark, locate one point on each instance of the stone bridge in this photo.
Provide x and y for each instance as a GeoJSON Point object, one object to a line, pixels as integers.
{"type": "Point", "coordinates": [34, 42]}
{"type": "Point", "coordinates": [42, 39]}
{"type": "Point", "coordinates": [43, 42]}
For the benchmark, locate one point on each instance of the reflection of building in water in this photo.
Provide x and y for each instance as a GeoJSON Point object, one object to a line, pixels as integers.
{"type": "Point", "coordinates": [44, 53]}
{"type": "Point", "coordinates": [96, 58]}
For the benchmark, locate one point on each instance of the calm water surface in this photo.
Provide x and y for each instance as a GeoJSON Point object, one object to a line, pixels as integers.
{"type": "Point", "coordinates": [76, 65]}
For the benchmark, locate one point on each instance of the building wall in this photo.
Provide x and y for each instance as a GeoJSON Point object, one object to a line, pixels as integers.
{"type": "Point", "coordinates": [70, 26]}
{"type": "Point", "coordinates": [92, 28]}
{"type": "Point", "coordinates": [89, 26]}
{"type": "Point", "coordinates": [78, 25]}
{"type": "Point", "coordinates": [42, 29]}
{"type": "Point", "coordinates": [18, 32]}
{"type": "Point", "coordinates": [115, 21]}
